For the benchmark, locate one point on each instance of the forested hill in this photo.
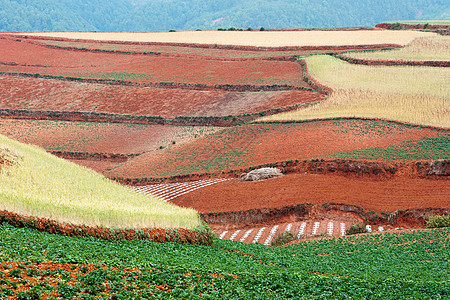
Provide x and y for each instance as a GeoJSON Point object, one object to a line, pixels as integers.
{"type": "Point", "coordinates": [155, 15]}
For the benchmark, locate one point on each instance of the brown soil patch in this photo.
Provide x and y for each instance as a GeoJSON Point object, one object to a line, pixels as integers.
{"type": "Point", "coordinates": [257, 144]}
{"type": "Point", "coordinates": [379, 195]}
{"type": "Point", "coordinates": [53, 95]}
{"type": "Point", "coordinates": [98, 137]}
{"type": "Point", "coordinates": [205, 51]}
{"type": "Point", "coordinates": [30, 58]}
{"type": "Point", "coordinates": [393, 62]}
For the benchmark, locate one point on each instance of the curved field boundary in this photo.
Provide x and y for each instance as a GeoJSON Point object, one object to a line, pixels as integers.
{"type": "Point", "coordinates": [93, 156]}
{"type": "Point", "coordinates": [411, 125]}
{"type": "Point", "coordinates": [440, 29]}
{"type": "Point", "coordinates": [170, 191]}
{"type": "Point", "coordinates": [224, 121]}
{"type": "Point", "coordinates": [305, 229]}
{"type": "Point", "coordinates": [367, 62]}
{"type": "Point", "coordinates": [161, 235]}
{"type": "Point", "coordinates": [167, 85]}
{"type": "Point", "coordinates": [216, 46]}
{"type": "Point", "coordinates": [316, 85]}
{"type": "Point", "coordinates": [234, 220]}
{"type": "Point", "coordinates": [165, 54]}
{"type": "Point", "coordinates": [327, 49]}
{"type": "Point", "coordinates": [358, 168]}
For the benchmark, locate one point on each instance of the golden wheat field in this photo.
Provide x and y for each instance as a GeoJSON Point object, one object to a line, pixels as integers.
{"type": "Point", "coordinates": [410, 94]}
{"type": "Point", "coordinates": [42, 185]}
{"type": "Point", "coordinates": [252, 38]}
{"type": "Point", "coordinates": [425, 48]}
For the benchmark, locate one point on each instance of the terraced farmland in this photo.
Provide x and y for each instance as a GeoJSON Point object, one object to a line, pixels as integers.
{"type": "Point", "coordinates": [187, 50]}
{"type": "Point", "coordinates": [257, 144]}
{"type": "Point", "coordinates": [170, 191]}
{"type": "Point", "coordinates": [22, 57]}
{"type": "Point", "coordinates": [256, 39]}
{"type": "Point", "coordinates": [307, 229]}
{"type": "Point", "coordinates": [100, 138]}
{"type": "Point", "coordinates": [172, 116]}
{"type": "Point", "coordinates": [35, 94]}
{"type": "Point", "coordinates": [382, 195]}
{"type": "Point", "coordinates": [394, 265]}
{"type": "Point", "coordinates": [417, 95]}
{"type": "Point", "coordinates": [422, 49]}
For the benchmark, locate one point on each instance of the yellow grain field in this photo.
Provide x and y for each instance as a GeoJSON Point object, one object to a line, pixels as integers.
{"type": "Point", "coordinates": [252, 38]}
{"type": "Point", "coordinates": [426, 48]}
{"type": "Point", "coordinates": [410, 94]}
{"type": "Point", "coordinates": [42, 185]}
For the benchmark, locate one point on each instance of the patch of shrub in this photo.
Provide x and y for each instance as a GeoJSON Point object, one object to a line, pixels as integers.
{"type": "Point", "coordinates": [356, 229]}
{"type": "Point", "coordinates": [438, 222]}
{"type": "Point", "coordinates": [284, 238]}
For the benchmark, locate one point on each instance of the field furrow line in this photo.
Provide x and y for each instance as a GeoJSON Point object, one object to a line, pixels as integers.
{"type": "Point", "coordinates": [170, 191]}
{"type": "Point", "coordinates": [246, 234]}
{"type": "Point", "coordinates": [330, 228]}
{"type": "Point", "coordinates": [342, 226]}
{"type": "Point", "coordinates": [222, 235]}
{"type": "Point", "coordinates": [271, 234]}
{"type": "Point", "coordinates": [302, 230]}
{"type": "Point", "coordinates": [315, 228]}
{"type": "Point", "coordinates": [258, 235]}
{"type": "Point", "coordinates": [234, 235]}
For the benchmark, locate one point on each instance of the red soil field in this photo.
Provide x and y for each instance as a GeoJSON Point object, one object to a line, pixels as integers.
{"type": "Point", "coordinates": [44, 94]}
{"type": "Point", "coordinates": [30, 58]}
{"type": "Point", "coordinates": [98, 137]}
{"type": "Point", "coordinates": [256, 144]}
{"type": "Point", "coordinates": [385, 195]}
{"type": "Point", "coordinates": [185, 51]}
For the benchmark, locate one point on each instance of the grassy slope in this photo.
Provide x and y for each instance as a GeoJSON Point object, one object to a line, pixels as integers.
{"type": "Point", "coordinates": [430, 48]}
{"type": "Point", "coordinates": [389, 266]}
{"type": "Point", "coordinates": [409, 94]}
{"type": "Point", "coordinates": [43, 185]}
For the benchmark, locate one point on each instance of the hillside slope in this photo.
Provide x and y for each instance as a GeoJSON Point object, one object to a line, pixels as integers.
{"type": "Point", "coordinates": [35, 183]}
{"type": "Point", "coordinates": [145, 15]}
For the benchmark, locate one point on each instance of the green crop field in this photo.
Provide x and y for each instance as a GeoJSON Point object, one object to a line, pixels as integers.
{"type": "Point", "coordinates": [386, 266]}
{"type": "Point", "coordinates": [428, 148]}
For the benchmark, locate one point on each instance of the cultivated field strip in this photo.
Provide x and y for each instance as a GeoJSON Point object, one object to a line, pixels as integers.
{"type": "Point", "coordinates": [308, 228]}
{"type": "Point", "coordinates": [170, 191]}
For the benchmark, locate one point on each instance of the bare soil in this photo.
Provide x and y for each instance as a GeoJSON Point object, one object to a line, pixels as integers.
{"type": "Point", "coordinates": [30, 58]}
{"type": "Point", "coordinates": [257, 144]}
{"type": "Point", "coordinates": [53, 95]}
{"type": "Point", "coordinates": [386, 195]}
{"type": "Point", "coordinates": [99, 137]}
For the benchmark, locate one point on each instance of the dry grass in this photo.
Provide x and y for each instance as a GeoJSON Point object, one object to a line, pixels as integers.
{"type": "Point", "coordinates": [427, 48]}
{"type": "Point", "coordinates": [410, 94]}
{"type": "Point", "coordinates": [254, 38]}
{"type": "Point", "coordinates": [43, 185]}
